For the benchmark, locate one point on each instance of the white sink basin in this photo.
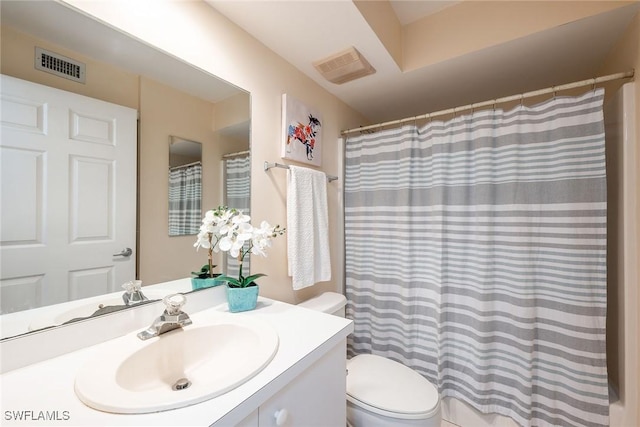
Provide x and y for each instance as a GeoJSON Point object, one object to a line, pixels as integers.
{"type": "Point", "coordinates": [84, 308]}
{"type": "Point", "coordinates": [140, 376]}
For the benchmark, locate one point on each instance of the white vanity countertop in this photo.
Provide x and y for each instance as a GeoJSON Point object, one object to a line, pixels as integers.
{"type": "Point", "coordinates": [46, 389]}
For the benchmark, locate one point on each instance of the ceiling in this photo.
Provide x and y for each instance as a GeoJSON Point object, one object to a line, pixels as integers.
{"type": "Point", "coordinates": [410, 11]}
{"type": "Point", "coordinates": [305, 31]}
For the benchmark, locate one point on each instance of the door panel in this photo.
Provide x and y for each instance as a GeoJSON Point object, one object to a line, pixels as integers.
{"type": "Point", "coordinates": [68, 171]}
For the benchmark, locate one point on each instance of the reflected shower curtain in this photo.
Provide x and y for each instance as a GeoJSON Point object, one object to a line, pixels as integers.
{"type": "Point", "coordinates": [475, 253]}
{"type": "Point", "coordinates": [238, 195]}
{"type": "Point", "coordinates": [185, 199]}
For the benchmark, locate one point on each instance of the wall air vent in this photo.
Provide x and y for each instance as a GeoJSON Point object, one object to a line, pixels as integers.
{"type": "Point", "coordinates": [59, 65]}
{"type": "Point", "coordinates": [344, 66]}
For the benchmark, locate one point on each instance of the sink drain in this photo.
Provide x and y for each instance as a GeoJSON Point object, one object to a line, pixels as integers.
{"type": "Point", "coordinates": [181, 384]}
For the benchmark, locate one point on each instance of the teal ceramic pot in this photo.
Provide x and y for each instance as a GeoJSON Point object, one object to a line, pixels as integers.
{"type": "Point", "coordinates": [197, 283]}
{"type": "Point", "coordinates": [242, 299]}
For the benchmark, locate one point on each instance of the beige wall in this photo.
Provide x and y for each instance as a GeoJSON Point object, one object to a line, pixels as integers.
{"type": "Point", "coordinates": [17, 50]}
{"type": "Point", "coordinates": [625, 55]}
{"type": "Point", "coordinates": [231, 113]}
{"type": "Point", "coordinates": [233, 110]}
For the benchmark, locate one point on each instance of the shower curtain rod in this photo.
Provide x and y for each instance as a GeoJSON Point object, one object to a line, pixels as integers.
{"type": "Point", "coordinates": [186, 165]}
{"type": "Point", "coordinates": [239, 153]}
{"type": "Point", "coordinates": [268, 166]}
{"type": "Point", "coordinates": [552, 89]}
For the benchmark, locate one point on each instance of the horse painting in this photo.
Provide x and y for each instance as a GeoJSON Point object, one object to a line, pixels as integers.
{"type": "Point", "coordinates": [306, 134]}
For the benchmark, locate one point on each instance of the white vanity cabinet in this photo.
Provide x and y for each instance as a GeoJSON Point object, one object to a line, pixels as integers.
{"type": "Point", "coordinates": [304, 385]}
{"type": "Point", "coordinates": [317, 397]}
{"type": "Point", "coordinates": [251, 421]}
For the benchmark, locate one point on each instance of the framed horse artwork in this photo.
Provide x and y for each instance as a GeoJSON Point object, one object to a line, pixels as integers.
{"type": "Point", "coordinates": [302, 132]}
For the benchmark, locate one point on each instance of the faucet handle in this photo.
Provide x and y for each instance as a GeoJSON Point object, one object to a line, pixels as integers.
{"type": "Point", "coordinates": [174, 303]}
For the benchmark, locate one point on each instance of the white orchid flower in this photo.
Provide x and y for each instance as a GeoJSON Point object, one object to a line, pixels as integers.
{"type": "Point", "coordinates": [234, 240]}
{"type": "Point", "coordinates": [229, 230]}
{"type": "Point", "coordinates": [241, 218]}
{"type": "Point", "coordinates": [225, 244]}
{"type": "Point", "coordinates": [209, 217]}
{"type": "Point", "coordinates": [202, 240]}
{"type": "Point", "coordinates": [261, 238]}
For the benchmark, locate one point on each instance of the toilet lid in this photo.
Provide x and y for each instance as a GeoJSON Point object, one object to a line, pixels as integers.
{"type": "Point", "coordinates": [389, 388]}
{"type": "Point", "coordinates": [328, 302]}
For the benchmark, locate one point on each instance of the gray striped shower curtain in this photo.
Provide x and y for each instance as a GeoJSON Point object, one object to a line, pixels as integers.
{"type": "Point", "coordinates": [475, 254]}
{"type": "Point", "coordinates": [185, 200]}
{"type": "Point", "coordinates": [237, 195]}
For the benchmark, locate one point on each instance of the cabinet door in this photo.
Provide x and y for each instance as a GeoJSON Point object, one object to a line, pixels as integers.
{"type": "Point", "coordinates": [317, 397]}
{"type": "Point", "coordinates": [250, 421]}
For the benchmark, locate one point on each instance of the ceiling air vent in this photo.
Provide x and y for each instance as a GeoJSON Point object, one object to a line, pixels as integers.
{"type": "Point", "coordinates": [59, 65]}
{"type": "Point", "coordinates": [344, 66]}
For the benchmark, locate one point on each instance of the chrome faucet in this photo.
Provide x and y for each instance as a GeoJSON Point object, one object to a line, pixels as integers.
{"type": "Point", "coordinates": [133, 293]}
{"type": "Point", "coordinates": [172, 318]}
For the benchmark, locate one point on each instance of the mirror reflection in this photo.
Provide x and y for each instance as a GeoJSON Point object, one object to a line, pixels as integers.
{"type": "Point", "coordinates": [237, 184]}
{"type": "Point", "coordinates": [171, 98]}
{"type": "Point", "coordinates": [185, 186]}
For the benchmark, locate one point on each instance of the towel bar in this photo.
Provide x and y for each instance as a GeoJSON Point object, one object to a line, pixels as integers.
{"type": "Point", "coordinates": [268, 166]}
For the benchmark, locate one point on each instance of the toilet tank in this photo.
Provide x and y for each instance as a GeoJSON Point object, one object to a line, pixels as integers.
{"type": "Point", "coordinates": [328, 302]}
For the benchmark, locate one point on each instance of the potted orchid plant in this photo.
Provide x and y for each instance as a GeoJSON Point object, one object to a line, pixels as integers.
{"type": "Point", "coordinates": [208, 238]}
{"type": "Point", "coordinates": [229, 230]}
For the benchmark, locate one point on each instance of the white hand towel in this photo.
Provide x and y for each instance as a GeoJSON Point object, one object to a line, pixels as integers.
{"type": "Point", "coordinates": [307, 227]}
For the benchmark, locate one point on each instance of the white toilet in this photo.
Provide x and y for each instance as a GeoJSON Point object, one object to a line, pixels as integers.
{"type": "Point", "coordinates": [380, 391]}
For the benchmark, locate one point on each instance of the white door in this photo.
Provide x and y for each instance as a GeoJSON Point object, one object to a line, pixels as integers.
{"type": "Point", "coordinates": [68, 195]}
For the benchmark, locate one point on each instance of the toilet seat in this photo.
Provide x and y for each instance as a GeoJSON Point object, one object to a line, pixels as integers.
{"type": "Point", "coordinates": [388, 388]}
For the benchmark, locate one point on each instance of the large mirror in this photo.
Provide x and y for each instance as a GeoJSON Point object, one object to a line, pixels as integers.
{"type": "Point", "coordinates": [172, 99]}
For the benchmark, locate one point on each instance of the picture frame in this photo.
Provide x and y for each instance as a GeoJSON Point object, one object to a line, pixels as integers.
{"type": "Point", "coordinates": [301, 132]}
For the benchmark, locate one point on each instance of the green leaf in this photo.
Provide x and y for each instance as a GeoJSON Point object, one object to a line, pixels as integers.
{"type": "Point", "coordinates": [229, 279]}
{"type": "Point", "coordinates": [251, 278]}
{"type": "Point", "coordinates": [204, 272]}
{"type": "Point", "coordinates": [241, 282]}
